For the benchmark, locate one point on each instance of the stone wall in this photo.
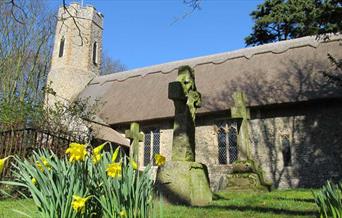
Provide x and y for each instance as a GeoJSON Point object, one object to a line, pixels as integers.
{"type": "Point", "coordinates": [315, 140]}
{"type": "Point", "coordinates": [313, 133]}
{"type": "Point", "coordinates": [207, 153]}
{"type": "Point", "coordinates": [206, 150]}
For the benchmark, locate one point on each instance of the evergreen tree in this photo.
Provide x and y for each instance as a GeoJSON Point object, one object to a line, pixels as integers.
{"type": "Point", "coordinates": [277, 20]}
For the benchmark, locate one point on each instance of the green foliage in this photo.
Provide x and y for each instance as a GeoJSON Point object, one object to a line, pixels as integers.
{"type": "Point", "coordinates": [17, 113]}
{"type": "Point", "coordinates": [277, 20]}
{"type": "Point", "coordinates": [53, 182]}
{"type": "Point", "coordinates": [329, 200]}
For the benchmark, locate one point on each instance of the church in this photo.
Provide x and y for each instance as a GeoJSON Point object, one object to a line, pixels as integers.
{"type": "Point", "coordinates": [269, 103]}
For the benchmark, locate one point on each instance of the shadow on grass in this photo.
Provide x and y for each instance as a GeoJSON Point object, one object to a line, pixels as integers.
{"type": "Point", "coordinates": [219, 197]}
{"type": "Point", "coordinates": [264, 210]}
{"type": "Point", "coordinates": [307, 200]}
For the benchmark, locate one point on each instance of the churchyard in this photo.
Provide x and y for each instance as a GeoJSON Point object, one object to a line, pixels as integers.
{"type": "Point", "coordinates": [86, 181]}
{"type": "Point", "coordinates": [248, 133]}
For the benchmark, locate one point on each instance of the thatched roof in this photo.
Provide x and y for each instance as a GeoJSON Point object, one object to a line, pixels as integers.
{"type": "Point", "coordinates": [287, 71]}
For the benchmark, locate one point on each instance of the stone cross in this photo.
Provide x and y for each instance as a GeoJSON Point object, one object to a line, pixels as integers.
{"type": "Point", "coordinates": [135, 137]}
{"type": "Point", "coordinates": [242, 112]}
{"type": "Point", "coordinates": [186, 100]}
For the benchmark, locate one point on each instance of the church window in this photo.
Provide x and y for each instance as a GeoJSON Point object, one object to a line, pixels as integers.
{"type": "Point", "coordinates": [61, 47]}
{"type": "Point", "coordinates": [95, 53]}
{"type": "Point", "coordinates": [151, 145]}
{"type": "Point", "coordinates": [227, 143]}
{"type": "Point", "coordinates": [286, 150]}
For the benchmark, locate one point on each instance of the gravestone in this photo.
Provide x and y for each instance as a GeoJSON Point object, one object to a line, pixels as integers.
{"type": "Point", "coordinates": [246, 175]}
{"type": "Point", "coordinates": [182, 180]}
{"type": "Point", "coordinates": [135, 137]}
{"type": "Point", "coordinates": [242, 112]}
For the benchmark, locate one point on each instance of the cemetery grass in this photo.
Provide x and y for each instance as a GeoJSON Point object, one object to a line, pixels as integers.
{"type": "Point", "coordinates": [277, 204]}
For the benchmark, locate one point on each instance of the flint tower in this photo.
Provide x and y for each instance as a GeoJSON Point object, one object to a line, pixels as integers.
{"type": "Point", "coordinates": [77, 51]}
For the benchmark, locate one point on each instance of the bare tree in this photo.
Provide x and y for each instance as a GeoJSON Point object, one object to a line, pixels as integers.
{"type": "Point", "coordinates": [110, 65]}
{"type": "Point", "coordinates": [26, 30]}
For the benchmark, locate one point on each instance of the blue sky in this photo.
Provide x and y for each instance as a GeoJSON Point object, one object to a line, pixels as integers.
{"type": "Point", "coordinates": [144, 32]}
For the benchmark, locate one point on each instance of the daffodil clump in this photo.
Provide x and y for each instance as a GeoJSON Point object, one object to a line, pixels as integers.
{"type": "Point", "coordinates": [87, 182]}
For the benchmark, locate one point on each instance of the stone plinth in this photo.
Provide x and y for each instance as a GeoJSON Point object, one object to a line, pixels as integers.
{"type": "Point", "coordinates": [183, 182]}
{"type": "Point", "coordinates": [244, 182]}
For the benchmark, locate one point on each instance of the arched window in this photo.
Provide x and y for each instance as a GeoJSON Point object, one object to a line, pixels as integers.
{"type": "Point", "coordinates": [227, 143]}
{"type": "Point", "coordinates": [95, 53]}
{"type": "Point", "coordinates": [61, 47]}
{"type": "Point", "coordinates": [286, 150]}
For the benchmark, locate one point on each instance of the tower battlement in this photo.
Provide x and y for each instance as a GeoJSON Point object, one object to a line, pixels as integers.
{"type": "Point", "coordinates": [87, 12]}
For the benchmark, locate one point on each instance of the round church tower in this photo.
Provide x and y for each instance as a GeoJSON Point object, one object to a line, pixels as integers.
{"type": "Point", "coordinates": [77, 51]}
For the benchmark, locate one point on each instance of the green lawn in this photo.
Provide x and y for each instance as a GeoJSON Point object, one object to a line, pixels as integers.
{"type": "Point", "coordinates": [287, 203]}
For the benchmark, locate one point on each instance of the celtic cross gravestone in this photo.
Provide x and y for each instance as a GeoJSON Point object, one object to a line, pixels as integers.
{"type": "Point", "coordinates": [135, 137]}
{"type": "Point", "coordinates": [182, 180]}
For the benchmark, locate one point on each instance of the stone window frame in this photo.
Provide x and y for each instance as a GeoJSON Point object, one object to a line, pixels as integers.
{"type": "Point", "coordinates": [153, 147]}
{"type": "Point", "coordinates": [225, 126]}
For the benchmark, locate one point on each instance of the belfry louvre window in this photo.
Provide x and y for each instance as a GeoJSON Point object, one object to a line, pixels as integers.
{"type": "Point", "coordinates": [95, 53]}
{"type": "Point", "coordinates": [61, 47]}
{"type": "Point", "coordinates": [151, 145]}
{"type": "Point", "coordinates": [227, 143]}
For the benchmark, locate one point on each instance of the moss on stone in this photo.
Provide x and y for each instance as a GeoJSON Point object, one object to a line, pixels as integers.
{"type": "Point", "coordinates": [244, 181]}
{"type": "Point", "coordinates": [250, 164]}
{"type": "Point", "coordinates": [183, 182]}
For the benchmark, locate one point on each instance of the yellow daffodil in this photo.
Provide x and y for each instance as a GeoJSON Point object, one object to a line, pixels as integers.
{"type": "Point", "coordinates": [123, 213]}
{"type": "Point", "coordinates": [34, 181]}
{"type": "Point", "coordinates": [159, 159]}
{"type": "Point", "coordinates": [133, 163]}
{"type": "Point", "coordinates": [116, 153]}
{"type": "Point", "coordinates": [97, 153]}
{"type": "Point", "coordinates": [77, 152]}
{"type": "Point", "coordinates": [78, 203]}
{"type": "Point", "coordinates": [114, 169]}
{"type": "Point", "coordinates": [2, 163]}
{"type": "Point", "coordinates": [41, 163]}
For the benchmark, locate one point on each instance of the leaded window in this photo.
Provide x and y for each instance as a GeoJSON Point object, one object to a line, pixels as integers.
{"type": "Point", "coordinates": [151, 145]}
{"type": "Point", "coordinates": [227, 143]}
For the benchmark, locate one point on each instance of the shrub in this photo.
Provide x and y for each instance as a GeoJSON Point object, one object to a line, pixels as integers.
{"type": "Point", "coordinates": [329, 200]}
{"type": "Point", "coordinates": [88, 184]}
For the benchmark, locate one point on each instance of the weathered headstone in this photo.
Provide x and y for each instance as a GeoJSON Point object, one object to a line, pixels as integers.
{"type": "Point", "coordinates": [135, 137]}
{"type": "Point", "coordinates": [247, 175]}
{"type": "Point", "coordinates": [186, 100]}
{"type": "Point", "coordinates": [241, 111]}
{"type": "Point", "coordinates": [182, 180]}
